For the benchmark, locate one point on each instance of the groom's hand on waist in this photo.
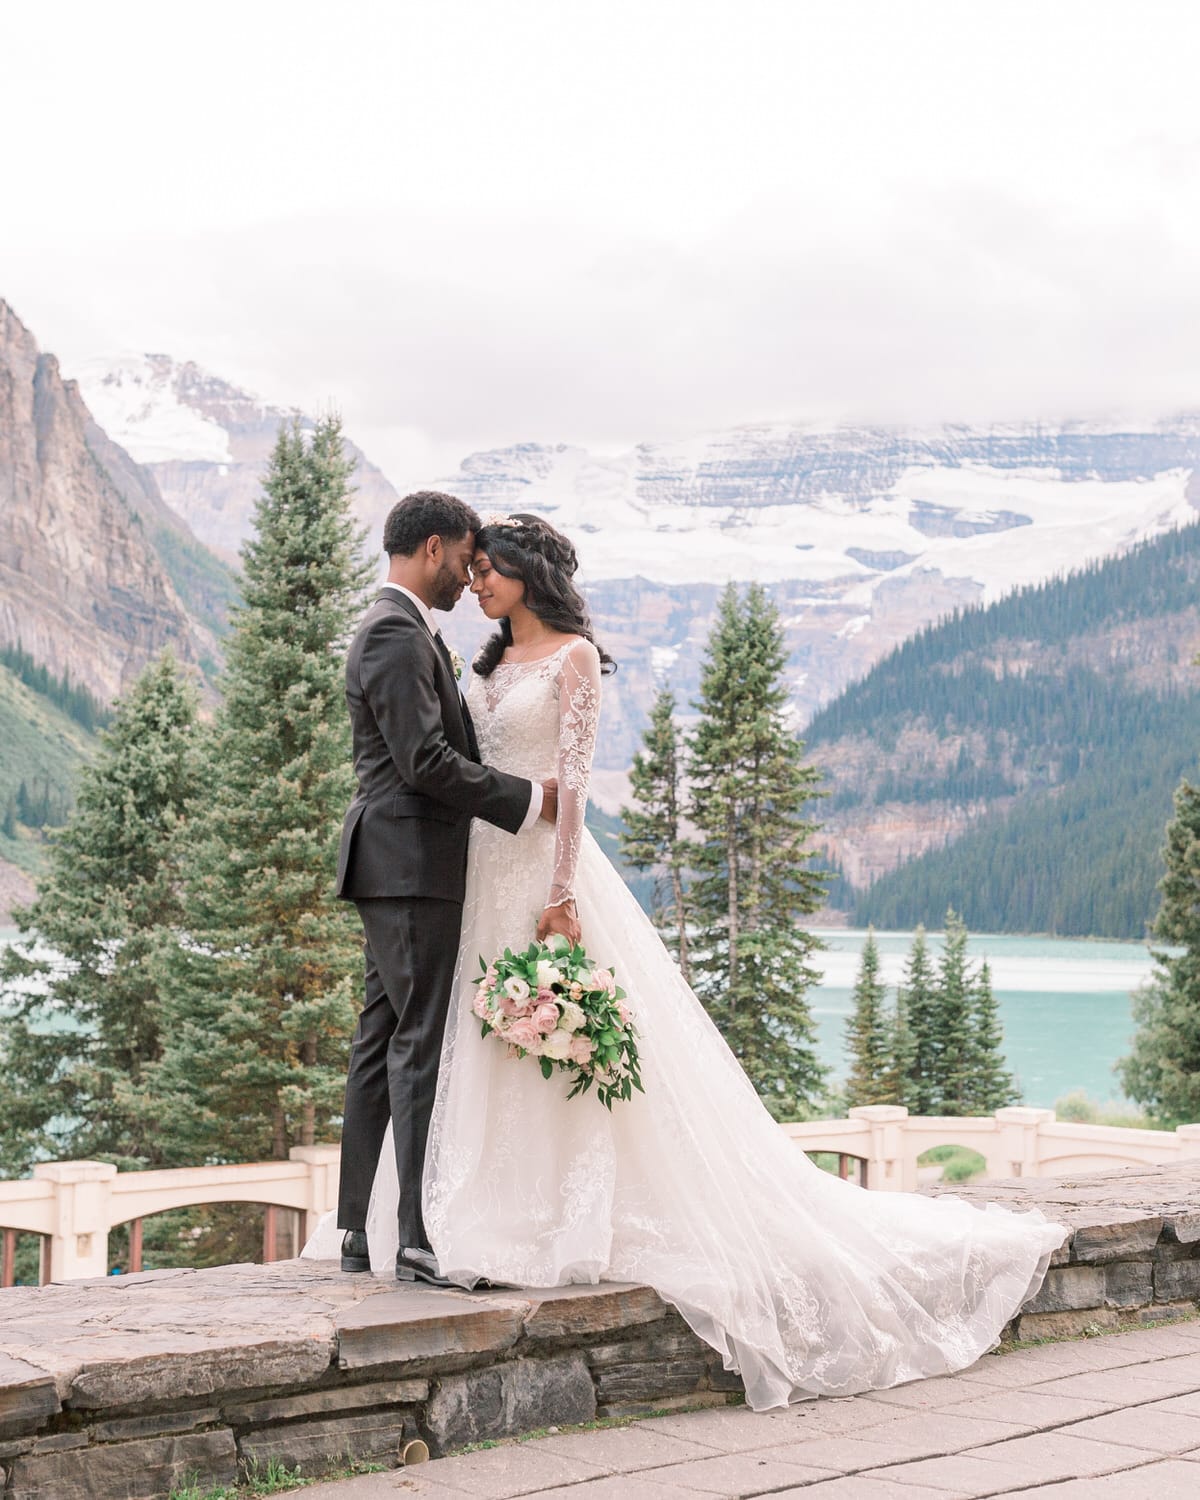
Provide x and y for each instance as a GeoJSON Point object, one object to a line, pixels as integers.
{"type": "Point", "coordinates": [550, 801]}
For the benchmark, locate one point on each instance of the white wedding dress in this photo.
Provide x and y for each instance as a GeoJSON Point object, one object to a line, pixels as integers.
{"type": "Point", "coordinates": [805, 1284]}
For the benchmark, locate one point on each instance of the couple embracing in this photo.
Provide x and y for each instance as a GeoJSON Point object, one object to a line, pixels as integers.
{"type": "Point", "coordinates": [467, 836]}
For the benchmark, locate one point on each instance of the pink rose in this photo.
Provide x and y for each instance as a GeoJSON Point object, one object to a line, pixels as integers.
{"type": "Point", "coordinates": [523, 1033]}
{"type": "Point", "coordinates": [482, 1008]}
{"type": "Point", "coordinates": [545, 1017]}
{"type": "Point", "coordinates": [624, 1012]}
{"type": "Point", "coordinates": [602, 979]}
{"type": "Point", "coordinates": [581, 1050]}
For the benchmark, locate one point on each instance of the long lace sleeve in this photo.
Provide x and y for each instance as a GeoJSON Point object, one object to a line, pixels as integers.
{"type": "Point", "coordinates": [578, 715]}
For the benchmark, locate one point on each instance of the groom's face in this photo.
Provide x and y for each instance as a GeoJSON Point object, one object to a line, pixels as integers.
{"type": "Point", "coordinates": [453, 571]}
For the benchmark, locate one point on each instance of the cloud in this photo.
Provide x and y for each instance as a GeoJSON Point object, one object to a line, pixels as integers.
{"type": "Point", "coordinates": [609, 224]}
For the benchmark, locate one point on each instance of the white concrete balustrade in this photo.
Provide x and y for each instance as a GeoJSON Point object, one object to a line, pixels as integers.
{"type": "Point", "coordinates": [1015, 1142]}
{"type": "Point", "coordinates": [74, 1204]}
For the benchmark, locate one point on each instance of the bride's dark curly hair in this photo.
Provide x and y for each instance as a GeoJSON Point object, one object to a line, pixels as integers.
{"type": "Point", "coordinates": [526, 547]}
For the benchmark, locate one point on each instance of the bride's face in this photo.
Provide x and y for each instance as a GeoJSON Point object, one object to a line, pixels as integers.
{"type": "Point", "coordinates": [497, 595]}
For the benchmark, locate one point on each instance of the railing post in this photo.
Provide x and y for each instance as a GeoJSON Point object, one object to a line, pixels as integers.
{"type": "Point", "coordinates": [135, 1246]}
{"type": "Point", "coordinates": [79, 1238]}
{"type": "Point", "coordinates": [8, 1258]}
{"type": "Point", "coordinates": [268, 1253]}
{"type": "Point", "coordinates": [1019, 1146]}
{"type": "Point", "coordinates": [887, 1165]}
{"type": "Point", "coordinates": [323, 1163]}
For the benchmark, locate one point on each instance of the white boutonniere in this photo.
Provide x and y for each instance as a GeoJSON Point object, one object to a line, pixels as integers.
{"type": "Point", "coordinates": [457, 663]}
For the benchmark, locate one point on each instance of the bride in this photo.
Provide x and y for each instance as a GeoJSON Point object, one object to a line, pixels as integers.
{"type": "Point", "coordinates": [805, 1284]}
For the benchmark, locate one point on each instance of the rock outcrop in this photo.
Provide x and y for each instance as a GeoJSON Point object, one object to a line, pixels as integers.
{"type": "Point", "coordinates": [206, 443]}
{"type": "Point", "coordinates": [82, 587]}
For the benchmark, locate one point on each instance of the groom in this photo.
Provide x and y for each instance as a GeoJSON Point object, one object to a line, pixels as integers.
{"type": "Point", "coordinates": [403, 856]}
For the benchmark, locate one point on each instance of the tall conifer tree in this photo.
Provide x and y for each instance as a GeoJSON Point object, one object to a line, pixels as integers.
{"type": "Point", "coordinates": [954, 1028]}
{"type": "Point", "coordinates": [870, 1080]}
{"type": "Point", "coordinates": [754, 883]}
{"type": "Point", "coordinates": [1162, 1072]}
{"type": "Point", "coordinates": [917, 1000]}
{"type": "Point", "coordinates": [652, 839]}
{"type": "Point", "coordinates": [266, 987]}
{"type": "Point", "coordinates": [990, 1085]}
{"type": "Point", "coordinates": [107, 907]}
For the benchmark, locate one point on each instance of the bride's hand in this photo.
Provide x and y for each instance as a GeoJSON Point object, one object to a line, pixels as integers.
{"type": "Point", "coordinates": [559, 919]}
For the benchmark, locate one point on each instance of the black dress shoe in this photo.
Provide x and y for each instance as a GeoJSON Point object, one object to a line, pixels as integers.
{"type": "Point", "coordinates": [355, 1254]}
{"type": "Point", "coordinates": [420, 1265]}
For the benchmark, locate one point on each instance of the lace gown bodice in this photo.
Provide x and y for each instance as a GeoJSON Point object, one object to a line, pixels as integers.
{"type": "Point", "coordinates": [805, 1284]}
{"type": "Point", "coordinates": [538, 719]}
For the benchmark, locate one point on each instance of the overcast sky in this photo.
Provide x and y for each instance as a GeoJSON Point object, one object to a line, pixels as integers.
{"type": "Point", "coordinates": [469, 223]}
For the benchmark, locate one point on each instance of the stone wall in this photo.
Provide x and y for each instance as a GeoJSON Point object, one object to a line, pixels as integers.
{"type": "Point", "coordinates": [1134, 1251]}
{"type": "Point", "coordinates": [131, 1385]}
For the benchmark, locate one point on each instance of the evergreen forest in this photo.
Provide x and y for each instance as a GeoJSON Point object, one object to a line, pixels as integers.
{"type": "Point", "coordinates": [1064, 715]}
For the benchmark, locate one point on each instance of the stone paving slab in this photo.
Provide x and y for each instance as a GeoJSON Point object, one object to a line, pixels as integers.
{"type": "Point", "coordinates": [1154, 1427]}
{"type": "Point", "coordinates": [1172, 1480]}
{"type": "Point", "coordinates": [976, 1477]}
{"type": "Point", "coordinates": [868, 1487]}
{"type": "Point", "coordinates": [963, 1440]}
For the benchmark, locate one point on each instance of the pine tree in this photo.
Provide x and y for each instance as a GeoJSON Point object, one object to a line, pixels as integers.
{"type": "Point", "coordinates": [1162, 1072]}
{"type": "Point", "coordinates": [753, 884]}
{"type": "Point", "coordinates": [266, 986]}
{"type": "Point", "coordinates": [954, 1031]}
{"type": "Point", "coordinates": [651, 840]}
{"type": "Point", "coordinates": [86, 1024]}
{"type": "Point", "coordinates": [871, 1079]}
{"type": "Point", "coordinates": [990, 1084]}
{"type": "Point", "coordinates": [896, 1084]}
{"type": "Point", "coordinates": [918, 1002]}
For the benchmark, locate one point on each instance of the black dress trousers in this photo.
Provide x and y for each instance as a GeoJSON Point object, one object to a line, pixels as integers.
{"type": "Point", "coordinates": [410, 948]}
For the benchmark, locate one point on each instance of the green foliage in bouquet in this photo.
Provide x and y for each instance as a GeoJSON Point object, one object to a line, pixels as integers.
{"type": "Point", "coordinates": [556, 1004]}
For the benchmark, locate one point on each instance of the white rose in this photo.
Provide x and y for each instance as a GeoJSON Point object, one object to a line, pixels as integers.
{"type": "Point", "coordinates": [548, 974]}
{"type": "Point", "coordinates": [516, 988]}
{"type": "Point", "coordinates": [572, 1017]}
{"type": "Point", "coordinates": [556, 1046]}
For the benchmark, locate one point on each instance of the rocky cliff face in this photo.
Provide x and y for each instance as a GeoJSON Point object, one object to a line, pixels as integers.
{"type": "Point", "coordinates": [81, 586]}
{"type": "Point", "coordinates": [206, 443]}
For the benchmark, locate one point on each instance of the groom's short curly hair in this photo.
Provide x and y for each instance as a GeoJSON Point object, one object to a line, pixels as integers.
{"type": "Point", "coordinates": [413, 520]}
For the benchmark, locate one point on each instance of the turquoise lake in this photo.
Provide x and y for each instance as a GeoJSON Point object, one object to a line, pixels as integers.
{"type": "Point", "coordinates": [1064, 1003]}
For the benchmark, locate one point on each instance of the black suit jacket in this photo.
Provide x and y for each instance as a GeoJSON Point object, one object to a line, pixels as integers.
{"type": "Point", "coordinates": [419, 779]}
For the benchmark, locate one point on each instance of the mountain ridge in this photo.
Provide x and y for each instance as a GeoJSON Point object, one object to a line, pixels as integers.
{"type": "Point", "coordinates": [82, 587]}
{"type": "Point", "coordinates": [206, 442]}
{"type": "Point", "coordinates": [1017, 761]}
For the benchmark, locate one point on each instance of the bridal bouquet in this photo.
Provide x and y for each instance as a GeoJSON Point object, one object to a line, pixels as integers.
{"type": "Point", "coordinates": [553, 1003]}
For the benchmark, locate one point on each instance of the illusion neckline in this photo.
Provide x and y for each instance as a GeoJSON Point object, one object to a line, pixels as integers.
{"type": "Point", "coordinates": [538, 660]}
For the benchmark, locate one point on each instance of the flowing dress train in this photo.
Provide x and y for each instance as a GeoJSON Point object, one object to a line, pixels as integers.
{"type": "Point", "coordinates": [805, 1284]}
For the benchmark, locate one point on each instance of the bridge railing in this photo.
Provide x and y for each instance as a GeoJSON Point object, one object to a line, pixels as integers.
{"type": "Point", "coordinates": [1018, 1141]}
{"type": "Point", "coordinates": [73, 1205]}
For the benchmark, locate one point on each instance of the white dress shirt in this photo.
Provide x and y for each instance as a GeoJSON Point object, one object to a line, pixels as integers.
{"type": "Point", "coordinates": [535, 796]}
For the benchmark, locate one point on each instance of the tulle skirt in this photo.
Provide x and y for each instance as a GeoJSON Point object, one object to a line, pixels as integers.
{"type": "Point", "coordinates": [805, 1284]}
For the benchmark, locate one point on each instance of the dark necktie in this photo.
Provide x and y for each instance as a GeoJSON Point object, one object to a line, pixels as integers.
{"type": "Point", "coordinates": [468, 725]}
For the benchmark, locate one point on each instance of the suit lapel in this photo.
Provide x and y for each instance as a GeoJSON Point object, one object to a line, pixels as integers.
{"type": "Point", "coordinates": [393, 596]}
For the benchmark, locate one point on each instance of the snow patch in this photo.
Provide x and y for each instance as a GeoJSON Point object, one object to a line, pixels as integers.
{"type": "Point", "coordinates": [136, 400]}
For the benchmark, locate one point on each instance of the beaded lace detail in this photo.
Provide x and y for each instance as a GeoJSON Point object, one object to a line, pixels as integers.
{"type": "Point", "coordinates": [539, 719]}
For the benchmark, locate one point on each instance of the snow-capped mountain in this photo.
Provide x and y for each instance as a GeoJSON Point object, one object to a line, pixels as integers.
{"type": "Point", "coordinates": [205, 441]}
{"type": "Point", "coordinates": [863, 535]}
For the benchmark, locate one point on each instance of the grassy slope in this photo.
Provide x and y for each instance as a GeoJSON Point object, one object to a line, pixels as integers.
{"type": "Point", "coordinates": [36, 740]}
